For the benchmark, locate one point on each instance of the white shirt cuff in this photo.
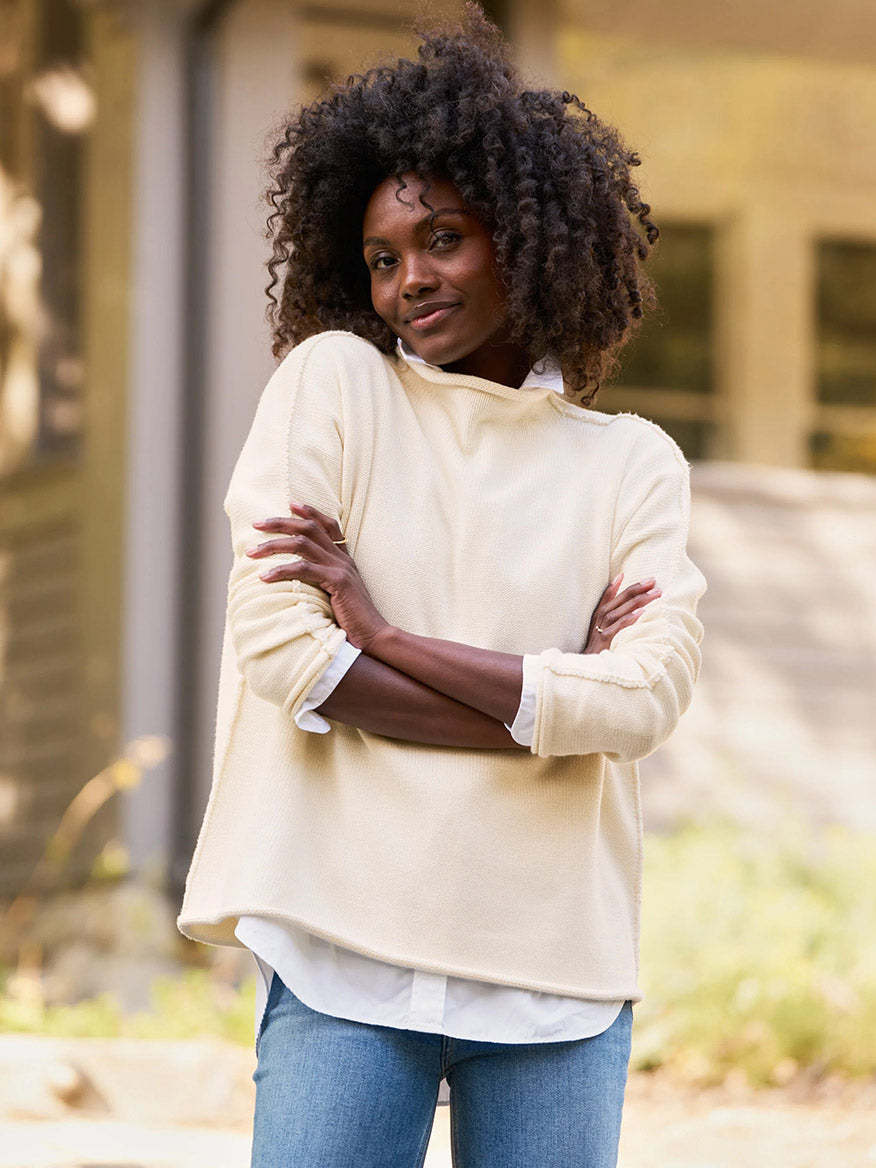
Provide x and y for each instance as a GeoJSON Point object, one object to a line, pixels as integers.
{"type": "Point", "coordinates": [337, 668]}
{"type": "Point", "coordinates": [523, 727]}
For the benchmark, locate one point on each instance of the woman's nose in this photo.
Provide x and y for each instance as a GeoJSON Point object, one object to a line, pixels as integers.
{"type": "Point", "coordinates": [417, 276]}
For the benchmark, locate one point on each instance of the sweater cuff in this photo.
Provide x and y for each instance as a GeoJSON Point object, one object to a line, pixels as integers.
{"type": "Point", "coordinates": [306, 719]}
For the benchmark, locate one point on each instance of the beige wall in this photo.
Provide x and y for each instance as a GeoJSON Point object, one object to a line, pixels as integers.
{"type": "Point", "coordinates": [773, 152]}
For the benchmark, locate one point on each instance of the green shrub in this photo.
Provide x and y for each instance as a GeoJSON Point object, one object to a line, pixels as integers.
{"type": "Point", "coordinates": [758, 953]}
{"type": "Point", "coordinates": [98, 1017]}
{"type": "Point", "coordinates": [192, 1004]}
{"type": "Point", "coordinates": [195, 1004]}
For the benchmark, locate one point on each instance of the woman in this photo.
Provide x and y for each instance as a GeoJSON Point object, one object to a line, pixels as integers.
{"type": "Point", "coordinates": [425, 818]}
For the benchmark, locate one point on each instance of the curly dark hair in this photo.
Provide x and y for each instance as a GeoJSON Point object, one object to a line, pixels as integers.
{"type": "Point", "coordinates": [551, 181]}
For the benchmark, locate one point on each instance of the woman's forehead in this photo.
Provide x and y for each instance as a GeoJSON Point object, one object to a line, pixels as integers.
{"type": "Point", "coordinates": [410, 199]}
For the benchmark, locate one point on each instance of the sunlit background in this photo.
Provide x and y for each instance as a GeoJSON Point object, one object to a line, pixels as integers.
{"type": "Point", "coordinates": [133, 348]}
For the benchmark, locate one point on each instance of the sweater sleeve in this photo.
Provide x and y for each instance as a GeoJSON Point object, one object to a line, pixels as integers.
{"type": "Point", "coordinates": [284, 633]}
{"type": "Point", "coordinates": [625, 701]}
{"type": "Point", "coordinates": [307, 718]}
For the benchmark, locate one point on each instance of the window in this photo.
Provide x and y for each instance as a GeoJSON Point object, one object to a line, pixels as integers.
{"type": "Point", "coordinates": [667, 371]}
{"type": "Point", "coordinates": [845, 433]}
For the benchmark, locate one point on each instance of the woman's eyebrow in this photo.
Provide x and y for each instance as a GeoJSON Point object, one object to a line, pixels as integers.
{"type": "Point", "coordinates": [449, 211]}
{"type": "Point", "coordinates": [379, 241]}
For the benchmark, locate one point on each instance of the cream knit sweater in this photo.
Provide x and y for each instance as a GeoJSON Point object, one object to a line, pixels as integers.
{"type": "Point", "coordinates": [482, 514]}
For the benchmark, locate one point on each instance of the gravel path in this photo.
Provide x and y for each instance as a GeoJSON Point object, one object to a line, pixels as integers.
{"type": "Point", "coordinates": [664, 1127]}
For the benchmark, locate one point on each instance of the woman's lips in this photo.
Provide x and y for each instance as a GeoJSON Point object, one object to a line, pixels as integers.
{"type": "Point", "coordinates": [425, 321]}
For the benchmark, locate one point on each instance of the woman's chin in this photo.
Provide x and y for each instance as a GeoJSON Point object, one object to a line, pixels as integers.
{"type": "Point", "coordinates": [435, 351]}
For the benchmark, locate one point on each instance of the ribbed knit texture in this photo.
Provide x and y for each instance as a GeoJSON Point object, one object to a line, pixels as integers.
{"type": "Point", "coordinates": [481, 514]}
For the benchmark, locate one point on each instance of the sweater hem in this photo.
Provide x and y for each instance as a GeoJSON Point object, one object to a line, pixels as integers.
{"type": "Point", "coordinates": [198, 928]}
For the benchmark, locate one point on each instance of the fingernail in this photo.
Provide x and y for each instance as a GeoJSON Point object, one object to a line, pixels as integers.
{"type": "Point", "coordinates": [265, 575]}
{"type": "Point", "coordinates": [251, 551]}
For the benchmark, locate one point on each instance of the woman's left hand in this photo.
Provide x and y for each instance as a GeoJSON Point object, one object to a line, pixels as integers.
{"type": "Point", "coordinates": [618, 610]}
{"type": "Point", "coordinates": [323, 562]}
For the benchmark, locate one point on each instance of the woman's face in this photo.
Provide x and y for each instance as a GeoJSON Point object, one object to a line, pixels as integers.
{"type": "Point", "coordinates": [433, 279]}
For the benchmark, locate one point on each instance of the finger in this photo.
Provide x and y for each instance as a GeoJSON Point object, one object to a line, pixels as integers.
{"type": "Point", "coordinates": [610, 631]}
{"type": "Point", "coordinates": [611, 590]}
{"type": "Point", "coordinates": [308, 512]}
{"type": "Point", "coordinates": [634, 590]}
{"type": "Point", "coordinates": [330, 526]}
{"type": "Point", "coordinates": [639, 600]}
{"type": "Point", "coordinates": [294, 525]}
{"type": "Point", "coordinates": [633, 593]}
{"type": "Point", "coordinates": [609, 593]}
{"type": "Point", "coordinates": [613, 622]}
{"type": "Point", "coordinates": [626, 621]}
{"type": "Point", "coordinates": [277, 523]}
{"type": "Point", "coordinates": [299, 570]}
{"type": "Point", "coordinates": [291, 545]}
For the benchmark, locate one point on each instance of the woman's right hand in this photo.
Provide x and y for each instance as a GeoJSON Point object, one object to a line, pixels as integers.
{"type": "Point", "coordinates": [322, 560]}
{"type": "Point", "coordinates": [618, 610]}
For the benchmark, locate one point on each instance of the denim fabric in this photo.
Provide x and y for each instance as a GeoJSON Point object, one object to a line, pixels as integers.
{"type": "Point", "coordinates": [337, 1094]}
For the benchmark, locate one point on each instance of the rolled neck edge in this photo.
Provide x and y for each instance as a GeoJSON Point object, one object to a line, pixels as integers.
{"type": "Point", "coordinates": [436, 375]}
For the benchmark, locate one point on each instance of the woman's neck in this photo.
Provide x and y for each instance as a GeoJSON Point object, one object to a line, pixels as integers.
{"type": "Point", "coordinates": [504, 363]}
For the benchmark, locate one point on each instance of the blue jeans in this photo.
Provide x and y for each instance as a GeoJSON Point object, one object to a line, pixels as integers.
{"type": "Point", "coordinates": [337, 1094]}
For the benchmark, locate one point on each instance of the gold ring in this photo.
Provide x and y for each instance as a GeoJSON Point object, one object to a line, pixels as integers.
{"type": "Point", "coordinates": [599, 629]}
{"type": "Point", "coordinates": [339, 541]}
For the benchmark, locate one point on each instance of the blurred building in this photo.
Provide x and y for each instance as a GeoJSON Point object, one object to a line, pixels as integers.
{"type": "Point", "coordinates": [133, 345]}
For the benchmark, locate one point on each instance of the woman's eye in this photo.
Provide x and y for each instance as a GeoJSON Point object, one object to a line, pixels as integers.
{"type": "Point", "coordinates": [445, 238]}
{"type": "Point", "coordinates": [381, 262]}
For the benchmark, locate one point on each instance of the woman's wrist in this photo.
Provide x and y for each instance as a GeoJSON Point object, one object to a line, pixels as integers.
{"type": "Point", "coordinates": [485, 680]}
{"type": "Point", "coordinates": [381, 700]}
{"type": "Point", "coordinates": [381, 643]}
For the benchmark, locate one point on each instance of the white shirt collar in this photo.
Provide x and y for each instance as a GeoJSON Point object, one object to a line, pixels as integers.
{"type": "Point", "coordinates": [551, 376]}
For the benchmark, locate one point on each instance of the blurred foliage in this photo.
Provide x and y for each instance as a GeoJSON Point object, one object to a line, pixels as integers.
{"type": "Point", "coordinates": [758, 959]}
{"type": "Point", "coordinates": [758, 954]}
{"type": "Point", "coordinates": [26, 1013]}
{"type": "Point", "coordinates": [194, 1004]}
